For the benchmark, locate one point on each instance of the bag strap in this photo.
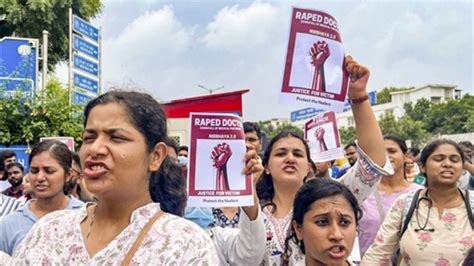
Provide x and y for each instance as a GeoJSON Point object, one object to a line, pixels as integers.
{"type": "Point", "coordinates": [378, 201]}
{"type": "Point", "coordinates": [141, 237]}
{"type": "Point", "coordinates": [409, 214]}
{"type": "Point", "coordinates": [469, 207]}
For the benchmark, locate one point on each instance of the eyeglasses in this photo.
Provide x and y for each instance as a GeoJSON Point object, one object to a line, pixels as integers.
{"type": "Point", "coordinates": [77, 172]}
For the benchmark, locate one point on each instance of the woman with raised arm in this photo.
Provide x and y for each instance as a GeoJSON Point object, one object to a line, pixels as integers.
{"type": "Point", "coordinates": [287, 162]}
{"type": "Point", "coordinates": [125, 166]}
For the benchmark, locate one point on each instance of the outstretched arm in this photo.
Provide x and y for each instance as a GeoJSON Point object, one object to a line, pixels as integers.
{"type": "Point", "coordinates": [369, 135]}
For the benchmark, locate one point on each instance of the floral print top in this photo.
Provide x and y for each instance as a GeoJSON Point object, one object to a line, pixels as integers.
{"type": "Point", "coordinates": [447, 245]}
{"type": "Point", "coordinates": [57, 240]}
{"type": "Point", "coordinates": [360, 179]}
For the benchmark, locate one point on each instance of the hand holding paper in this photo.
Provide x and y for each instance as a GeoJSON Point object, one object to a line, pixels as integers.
{"type": "Point", "coordinates": [359, 76]}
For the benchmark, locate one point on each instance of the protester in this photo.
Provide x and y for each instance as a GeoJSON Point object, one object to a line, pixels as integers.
{"type": "Point", "coordinates": [8, 205]}
{"type": "Point", "coordinates": [27, 190]}
{"type": "Point", "coordinates": [325, 218]}
{"type": "Point", "coordinates": [49, 162]}
{"type": "Point", "coordinates": [183, 157]}
{"type": "Point", "coordinates": [287, 162]}
{"type": "Point", "coordinates": [6, 157]}
{"type": "Point", "coordinates": [126, 167]}
{"type": "Point", "coordinates": [390, 187]}
{"type": "Point", "coordinates": [15, 173]}
{"type": "Point", "coordinates": [467, 179]}
{"type": "Point", "coordinates": [439, 231]}
{"type": "Point", "coordinates": [253, 136]}
{"type": "Point", "coordinates": [76, 186]}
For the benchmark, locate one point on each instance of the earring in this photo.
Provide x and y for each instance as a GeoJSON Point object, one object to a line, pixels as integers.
{"type": "Point", "coordinates": [267, 171]}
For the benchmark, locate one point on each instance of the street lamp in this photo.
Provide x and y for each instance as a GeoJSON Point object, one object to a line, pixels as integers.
{"type": "Point", "coordinates": [210, 90]}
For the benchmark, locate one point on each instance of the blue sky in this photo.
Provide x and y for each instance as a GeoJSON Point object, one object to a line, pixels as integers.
{"type": "Point", "coordinates": [167, 48]}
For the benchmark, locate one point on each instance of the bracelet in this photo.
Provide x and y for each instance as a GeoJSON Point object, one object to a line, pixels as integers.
{"type": "Point", "coordinates": [359, 99]}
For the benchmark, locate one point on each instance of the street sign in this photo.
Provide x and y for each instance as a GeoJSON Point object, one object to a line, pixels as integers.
{"type": "Point", "coordinates": [85, 47]}
{"type": "Point", "coordinates": [85, 28]}
{"type": "Point", "coordinates": [373, 97]}
{"type": "Point", "coordinates": [304, 113]}
{"type": "Point", "coordinates": [86, 65]}
{"type": "Point", "coordinates": [81, 98]}
{"type": "Point", "coordinates": [85, 83]}
{"type": "Point", "coordinates": [18, 66]}
{"type": "Point", "coordinates": [22, 154]}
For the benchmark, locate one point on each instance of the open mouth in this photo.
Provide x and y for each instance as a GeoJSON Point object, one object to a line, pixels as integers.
{"type": "Point", "coordinates": [95, 169]}
{"type": "Point", "coordinates": [337, 252]}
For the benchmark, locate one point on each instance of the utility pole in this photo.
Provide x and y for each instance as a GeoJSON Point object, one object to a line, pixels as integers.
{"type": "Point", "coordinates": [210, 90]}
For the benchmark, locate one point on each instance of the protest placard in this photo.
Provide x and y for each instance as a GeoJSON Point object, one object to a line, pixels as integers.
{"type": "Point", "coordinates": [323, 137]}
{"type": "Point", "coordinates": [216, 153]}
{"type": "Point", "coordinates": [314, 73]}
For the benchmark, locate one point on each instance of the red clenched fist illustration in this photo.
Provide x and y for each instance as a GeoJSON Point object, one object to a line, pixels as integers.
{"type": "Point", "coordinates": [319, 134]}
{"type": "Point", "coordinates": [220, 155]}
{"type": "Point", "coordinates": [319, 53]}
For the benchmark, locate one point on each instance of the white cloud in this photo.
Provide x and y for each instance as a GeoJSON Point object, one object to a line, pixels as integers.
{"type": "Point", "coordinates": [244, 46]}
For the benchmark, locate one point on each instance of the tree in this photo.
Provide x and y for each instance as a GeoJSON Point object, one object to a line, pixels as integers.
{"type": "Point", "coordinates": [450, 117]}
{"type": "Point", "coordinates": [384, 96]}
{"type": "Point", "coordinates": [388, 124]}
{"type": "Point", "coordinates": [28, 19]}
{"type": "Point", "coordinates": [47, 114]}
{"type": "Point", "coordinates": [272, 131]}
{"type": "Point", "coordinates": [347, 135]}
{"type": "Point", "coordinates": [419, 110]}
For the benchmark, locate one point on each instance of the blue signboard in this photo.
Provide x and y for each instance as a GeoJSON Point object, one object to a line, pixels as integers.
{"type": "Point", "coordinates": [304, 113]}
{"type": "Point", "coordinates": [81, 98]}
{"type": "Point", "coordinates": [86, 65]}
{"type": "Point", "coordinates": [22, 154]}
{"type": "Point", "coordinates": [85, 83]}
{"type": "Point", "coordinates": [85, 47]}
{"type": "Point", "coordinates": [373, 97]}
{"type": "Point", "coordinates": [18, 66]}
{"type": "Point", "coordinates": [85, 28]}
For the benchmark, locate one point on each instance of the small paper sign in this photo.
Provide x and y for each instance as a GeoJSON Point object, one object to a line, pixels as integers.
{"type": "Point", "coordinates": [217, 149]}
{"type": "Point", "coordinates": [323, 136]}
{"type": "Point", "coordinates": [314, 73]}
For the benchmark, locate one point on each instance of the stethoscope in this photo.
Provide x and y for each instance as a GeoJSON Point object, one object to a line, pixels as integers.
{"type": "Point", "coordinates": [430, 204]}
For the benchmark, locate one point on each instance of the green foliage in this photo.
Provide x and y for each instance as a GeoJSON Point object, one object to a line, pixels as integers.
{"type": "Point", "coordinates": [347, 135]}
{"type": "Point", "coordinates": [452, 117]}
{"type": "Point", "coordinates": [28, 19]}
{"type": "Point", "coordinates": [47, 114]}
{"type": "Point", "coordinates": [383, 96]}
{"type": "Point", "coordinates": [405, 127]}
{"type": "Point", "coordinates": [273, 131]}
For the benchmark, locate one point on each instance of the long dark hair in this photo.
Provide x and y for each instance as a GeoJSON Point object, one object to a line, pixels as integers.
{"type": "Point", "coordinates": [167, 186]}
{"type": "Point", "coordinates": [58, 150]}
{"type": "Point", "coordinates": [310, 192]}
{"type": "Point", "coordinates": [402, 144]}
{"type": "Point", "coordinates": [264, 186]}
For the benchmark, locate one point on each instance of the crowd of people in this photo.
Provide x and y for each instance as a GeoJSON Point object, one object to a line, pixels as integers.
{"type": "Point", "coordinates": [122, 198]}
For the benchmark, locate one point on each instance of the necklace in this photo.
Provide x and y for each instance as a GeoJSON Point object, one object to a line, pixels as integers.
{"type": "Point", "coordinates": [91, 223]}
